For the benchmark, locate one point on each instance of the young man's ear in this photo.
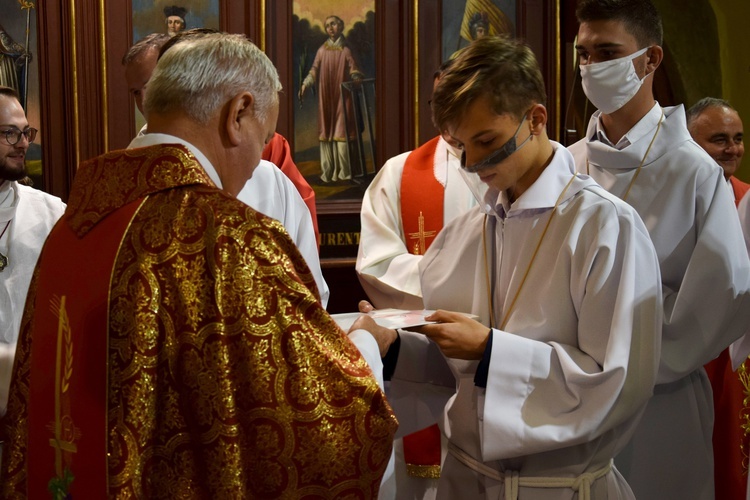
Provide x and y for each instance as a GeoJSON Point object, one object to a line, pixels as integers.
{"type": "Point", "coordinates": [655, 56]}
{"type": "Point", "coordinates": [240, 108]}
{"type": "Point", "coordinates": [537, 117]}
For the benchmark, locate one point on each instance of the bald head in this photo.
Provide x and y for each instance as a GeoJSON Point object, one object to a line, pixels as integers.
{"type": "Point", "coordinates": [139, 62]}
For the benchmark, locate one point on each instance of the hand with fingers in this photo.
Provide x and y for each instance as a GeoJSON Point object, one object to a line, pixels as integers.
{"type": "Point", "coordinates": [457, 335]}
{"type": "Point", "coordinates": [383, 336]}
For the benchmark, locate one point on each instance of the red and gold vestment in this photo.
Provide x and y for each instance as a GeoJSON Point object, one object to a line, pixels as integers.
{"type": "Point", "coordinates": [173, 346]}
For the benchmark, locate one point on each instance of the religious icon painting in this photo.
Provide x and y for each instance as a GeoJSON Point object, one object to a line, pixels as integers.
{"type": "Point", "coordinates": [171, 17]}
{"type": "Point", "coordinates": [334, 89]}
{"type": "Point", "coordinates": [467, 20]}
{"type": "Point", "coordinates": [19, 69]}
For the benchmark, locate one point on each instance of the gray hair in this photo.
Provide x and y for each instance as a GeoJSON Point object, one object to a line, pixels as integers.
{"type": "Point", "coordinates": [154, 40]}
{"type": "Point", "coordinates": [699, 107]}
{"type": "Point", "coordinates": [200, 75]}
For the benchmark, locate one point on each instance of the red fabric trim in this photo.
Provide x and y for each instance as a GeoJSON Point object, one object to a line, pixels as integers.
{"type": "Point", "coordinates": [739, 188]}
{"type": "Point", "coordinates": [728, 438]}
{"type": "Point", "coordinates": [421, 199]}
{"type": "Point", "coordinates": [423, 447]}
{"type": "Point", "coordinates": [83, 356]}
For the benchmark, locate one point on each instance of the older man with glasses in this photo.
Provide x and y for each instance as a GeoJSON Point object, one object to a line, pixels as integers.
{"type": "Point", "coordinates": [26, 218]}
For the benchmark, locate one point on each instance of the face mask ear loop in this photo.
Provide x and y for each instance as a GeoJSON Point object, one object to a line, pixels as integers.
{"type": "Point", "coordinates": [531, 133]}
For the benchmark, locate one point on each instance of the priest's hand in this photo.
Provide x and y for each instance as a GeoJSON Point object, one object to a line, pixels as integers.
{"type": "Point", "coordinates": [457, 335]}
{"type": "Point", "coordinates": [365, 307]}
{"type": "Point", "coordinates": [382, 335]}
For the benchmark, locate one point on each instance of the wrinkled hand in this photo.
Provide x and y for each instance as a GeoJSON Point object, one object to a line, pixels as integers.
{"type": "Point", "coordinates": [383, 336]}
{"type": "Point", "coordinates": [456, 335]}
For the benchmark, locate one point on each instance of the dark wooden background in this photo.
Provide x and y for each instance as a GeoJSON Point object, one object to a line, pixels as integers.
{"type": "Point", "coordinates": [86, 109]}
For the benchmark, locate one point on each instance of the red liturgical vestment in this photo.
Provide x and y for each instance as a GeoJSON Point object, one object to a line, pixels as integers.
{"type": "Point", "coordinates": [173, 346]}
{"type": "Point", "coordinates": [422, 216]}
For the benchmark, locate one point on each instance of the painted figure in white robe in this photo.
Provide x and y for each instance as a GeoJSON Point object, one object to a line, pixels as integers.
{"type": "Point", "coordinates": [334, 64]}
{"type": "Point", "coordinates": [551, 380]}
{"type": "Point", "coordinates": [26, 218]}
{"type": "Point", "coordinates": [643, 154]}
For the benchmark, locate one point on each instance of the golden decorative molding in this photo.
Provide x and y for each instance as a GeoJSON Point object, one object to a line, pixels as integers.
{"type": "Point", "coordinates": [558, 58]}
{"type": "Point", "coordinates": [416, 74]}
{"type": "Point", "coordinates": [103, 60]}
{"type": "Point", "coordinates": [74, 74]}
{"type": "Point", "coordinates": [263, 25]}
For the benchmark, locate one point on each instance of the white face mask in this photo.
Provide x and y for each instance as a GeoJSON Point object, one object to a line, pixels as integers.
{"type": "Point", "coordinates": [453, 150]}
{"type": "Point", "coordinates": [610, 85]}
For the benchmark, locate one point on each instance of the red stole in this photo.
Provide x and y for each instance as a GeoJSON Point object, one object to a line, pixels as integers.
{"type": "Point", "coordinates": [68, 434]}
{"type": "Point", "coordinates": [421, 199]}
{"type": "Point", "coordinates": [422, 218]}
{"type": "Point", "coordinates": [731, 441]}
{"type": "Point", "coordinates": [739, 188]}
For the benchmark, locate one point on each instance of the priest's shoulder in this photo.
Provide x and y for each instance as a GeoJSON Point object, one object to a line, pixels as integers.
{"type": "Point", "coordinates": [227, 210]}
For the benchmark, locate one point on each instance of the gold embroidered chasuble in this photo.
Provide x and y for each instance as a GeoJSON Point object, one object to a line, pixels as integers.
{"type": "Point", "coordinates": [173, 346]}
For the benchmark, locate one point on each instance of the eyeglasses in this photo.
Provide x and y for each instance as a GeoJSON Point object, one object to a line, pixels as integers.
{"type": "Point", "coordinates": [13, 135]}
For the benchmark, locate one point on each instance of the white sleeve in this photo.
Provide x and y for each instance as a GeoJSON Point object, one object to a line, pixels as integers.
{"type": "Point", "coordinates": [709, 308]}
{"type": "Point", "coordinates": [422, 384]}
{"type": "Point", "coordinates": [740, 349]}
{"type": "Point", "coordinates": [569, 393]}
{"type": "Point", "coordinates": [743, 209]}
{"type": "Point", "coordinates": [298, 218]}
{"type": "Point", "coordinates": [388, 272]}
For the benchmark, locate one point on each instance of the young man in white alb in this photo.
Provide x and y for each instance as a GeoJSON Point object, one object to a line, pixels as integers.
{"type": "Point", "coordinates": [643, 154]}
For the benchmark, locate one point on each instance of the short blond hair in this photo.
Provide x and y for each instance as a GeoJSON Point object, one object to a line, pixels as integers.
{"type": "Point", "coordinates": [503, 69]}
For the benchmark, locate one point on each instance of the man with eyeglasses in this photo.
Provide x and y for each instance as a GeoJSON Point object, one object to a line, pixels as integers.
{"type": "Point", "coordinates": [643, 153]}
{"type": "Point", "coordinates": [26, 218]}
{"type": "Point", "coordinates": [553, 377]}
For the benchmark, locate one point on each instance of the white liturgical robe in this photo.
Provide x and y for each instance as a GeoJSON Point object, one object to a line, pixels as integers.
{"type": "Point", "coordinates": [32, 214]}
{"type": "Point", "coordinates": [681, 195]}
{"type": "Point", "coordinates": [387, 270]}
{"type": "Point", "coordinates": [571, 371]}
